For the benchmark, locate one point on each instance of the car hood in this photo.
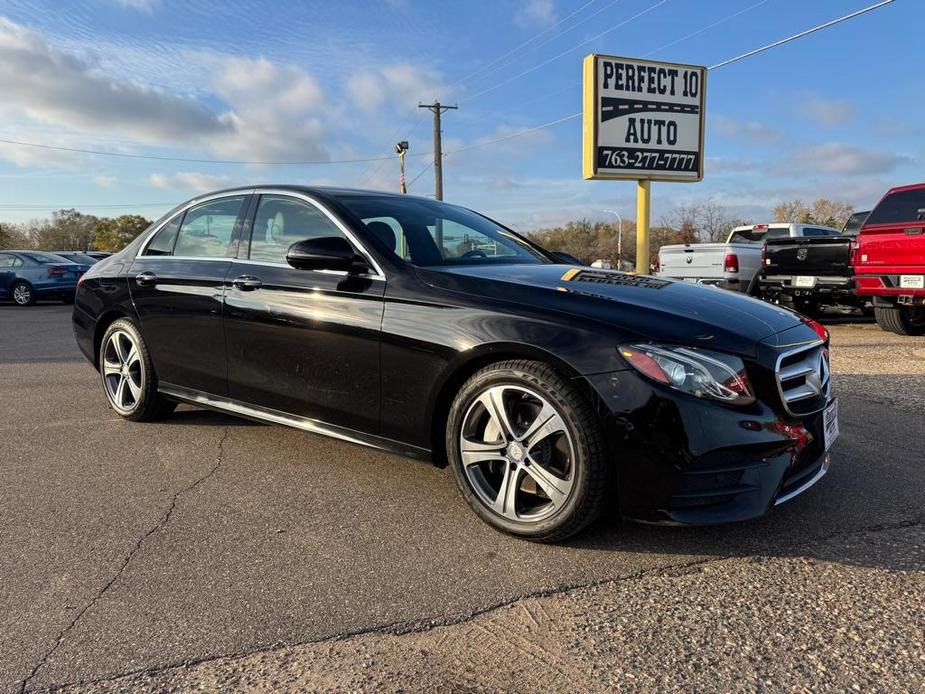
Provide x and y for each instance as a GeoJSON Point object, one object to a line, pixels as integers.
{"type": "Point", "coordinates": [653, 308]}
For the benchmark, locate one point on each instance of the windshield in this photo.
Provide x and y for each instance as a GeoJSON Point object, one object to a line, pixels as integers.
{"type": "Point", "coordinates": [429, 233]}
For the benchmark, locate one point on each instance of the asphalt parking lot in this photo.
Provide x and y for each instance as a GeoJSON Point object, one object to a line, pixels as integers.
{"type": "Point", "coordinates": [218, 553]}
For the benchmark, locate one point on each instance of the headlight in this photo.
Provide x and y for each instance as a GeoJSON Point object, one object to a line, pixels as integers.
{"type": "Point", "coordinates": [699, 372]}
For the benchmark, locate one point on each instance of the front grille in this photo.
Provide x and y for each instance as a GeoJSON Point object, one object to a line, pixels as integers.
{"type": "Point", "coordinates": [804, 379]}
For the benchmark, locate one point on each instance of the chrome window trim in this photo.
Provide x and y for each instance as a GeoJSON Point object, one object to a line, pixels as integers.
{"type": "Point", "coordinates": [379, 274]}
{"type": "Point", "coordinates": [183, 210]}
{"type": "Point", "coordinates": [338, 273]}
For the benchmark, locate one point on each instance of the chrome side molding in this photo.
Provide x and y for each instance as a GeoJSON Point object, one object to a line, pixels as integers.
{"type": "Point", "coordinates": [265, 414]}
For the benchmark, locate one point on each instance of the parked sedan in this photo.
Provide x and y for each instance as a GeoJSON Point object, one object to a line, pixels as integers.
{"type": "Point", "coordinates": [79, 257]}
{"type": "Point", "coordinates": [552, 391]}
{"type": "Point", "coordinates": [26, 276]}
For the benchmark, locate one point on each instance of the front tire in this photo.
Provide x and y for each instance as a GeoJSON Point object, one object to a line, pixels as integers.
{"type": "Point", "coordinates": [23, 294]}
{"type": "Point", "coordinates": [527, 451]}
{"type": "Point", "coordinates": [129, 379]}
{"type": "Point", "coordinates": [902, 320]}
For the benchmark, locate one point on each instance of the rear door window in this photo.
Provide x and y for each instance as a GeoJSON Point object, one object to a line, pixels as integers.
{"type": "Point", "coordinates": [899, 207]}
{"type": "Point", "coordinates": [6, 261]}
{"type": "Point", "coordinates": [207, 229]}
{"type": "Point", "coordinates": [163, 241]}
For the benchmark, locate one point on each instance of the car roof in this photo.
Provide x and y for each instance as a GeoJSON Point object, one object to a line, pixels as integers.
{"type": "Point", "coordinates": [898, 189]}
{"type": "Point", "coordinates": [319, 191]}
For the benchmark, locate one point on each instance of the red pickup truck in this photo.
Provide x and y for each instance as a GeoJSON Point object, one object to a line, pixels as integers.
{"type": "Point", "coordinates": [889, 260]}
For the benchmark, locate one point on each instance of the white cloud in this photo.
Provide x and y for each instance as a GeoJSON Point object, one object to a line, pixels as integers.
{"type": "Point", "coordinates": [188, 181]}
{"type": "Point", "coordinates": [51, 86]}
{"type": "Point", "coordinates": [846, 160]}
{"type": "Point", "coordinates": [105, 181]}
{"type": "Point", "coordinates": [826, 112]}
{"type": "Point", "coordinates": [147, 6]}
{"type": "Point", "coordinates": [401, 86]}
{"type": "Point", "coordinates": [747, 130]}
{"type": "Point", "coordinates": [277, 112]}
{"type": "Point", "coordinates": [536, 12]}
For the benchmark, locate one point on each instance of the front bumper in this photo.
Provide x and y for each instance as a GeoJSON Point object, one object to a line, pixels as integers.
{"type": "Point", "coordinates": [685, 461]}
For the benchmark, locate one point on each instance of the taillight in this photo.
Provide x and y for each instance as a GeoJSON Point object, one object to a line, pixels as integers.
{"type": "Point", "coordinates": [731, 262]}
{"type": "Point", "coordinates": [855, 246]}
{"type": "Point", "coordinates": [56, 272]}
{"type": "Point", "coordinates": [764, 255]}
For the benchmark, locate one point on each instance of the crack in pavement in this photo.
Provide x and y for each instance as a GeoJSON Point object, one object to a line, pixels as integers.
{"type": "Point", "coordinates": [425, 625]}
{"type": "Point", "coordinates": [127, 560]}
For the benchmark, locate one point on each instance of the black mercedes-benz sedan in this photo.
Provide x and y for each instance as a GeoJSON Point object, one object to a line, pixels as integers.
{"type": "Point", "coordinates": [553, 391]}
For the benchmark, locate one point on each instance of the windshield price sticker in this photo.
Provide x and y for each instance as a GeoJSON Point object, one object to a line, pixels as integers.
{"type": "Point", "coordinates": [643, 119]}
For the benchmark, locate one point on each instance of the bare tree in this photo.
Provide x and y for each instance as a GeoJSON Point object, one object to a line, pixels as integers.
{"type": "Point", "coordinates": [822, 211]}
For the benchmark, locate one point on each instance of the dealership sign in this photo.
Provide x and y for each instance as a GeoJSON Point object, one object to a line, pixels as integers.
{"type": "Point", "coordinates": [643, 119]}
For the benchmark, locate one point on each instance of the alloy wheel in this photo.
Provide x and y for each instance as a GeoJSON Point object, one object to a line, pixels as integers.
{"type": "Point", "coordinates": [123, 371]}
{"type": "Point", "coordinates": [22, 295]}
{"type": "Point", "coordinates": [517, 453]}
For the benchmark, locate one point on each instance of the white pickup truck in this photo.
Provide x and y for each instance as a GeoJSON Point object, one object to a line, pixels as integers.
{"type": "Point", "coordinates": [731, 265]}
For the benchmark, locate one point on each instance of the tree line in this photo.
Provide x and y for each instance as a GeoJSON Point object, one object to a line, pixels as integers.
{"type": "Point", "coordinates": [71, 230]}
{"type": "Point", "coordinates": [586, 239]}
{"type": "Point", "coordinates": [703, 222]}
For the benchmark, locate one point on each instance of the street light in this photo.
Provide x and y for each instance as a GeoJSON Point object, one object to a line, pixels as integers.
{"type": "Point", "coordinates": [619, 235]}
{"type": "Point", "coordinates": [401, 149]}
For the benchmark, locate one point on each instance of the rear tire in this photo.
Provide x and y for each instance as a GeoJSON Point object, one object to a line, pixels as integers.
{"type": "Point", "coordinates": [902, 320]}
{"type": "Point", "coordinates": [528, 452]}
{"type": "Point", "coordinates": [129, 378]}
{"type": "Point", "coordinates": [23, 294]}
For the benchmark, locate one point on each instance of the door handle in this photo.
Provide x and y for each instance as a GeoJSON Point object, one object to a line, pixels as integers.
{"type": "Point", "coordinates": [146, 279]}
{"type": "Point", "coordinates": [247, 283]}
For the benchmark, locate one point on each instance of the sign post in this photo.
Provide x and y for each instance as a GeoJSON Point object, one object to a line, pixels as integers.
{"type": "Point", "coordinates": [643, 121]}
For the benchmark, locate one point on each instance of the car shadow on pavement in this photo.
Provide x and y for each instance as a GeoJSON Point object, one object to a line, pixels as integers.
{"type": "Point", "coordinates": [186, 415]}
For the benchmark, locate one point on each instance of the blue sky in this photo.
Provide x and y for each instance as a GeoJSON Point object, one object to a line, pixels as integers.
{"type": "Point", "coordinates": [836, 114]}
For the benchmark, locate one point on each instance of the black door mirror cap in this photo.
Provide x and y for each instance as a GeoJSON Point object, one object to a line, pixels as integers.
{"type": "Point", "coordinates": [325, 253]}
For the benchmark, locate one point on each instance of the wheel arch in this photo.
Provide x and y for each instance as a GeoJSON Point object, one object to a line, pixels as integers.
{"type": "Point", "coordinates": [107, 318]}
{"type": "Point", "coordinates": [460, 369]}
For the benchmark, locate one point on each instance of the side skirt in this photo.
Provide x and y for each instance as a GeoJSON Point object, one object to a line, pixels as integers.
{"type": "Point", "coordinates": [265, 414]}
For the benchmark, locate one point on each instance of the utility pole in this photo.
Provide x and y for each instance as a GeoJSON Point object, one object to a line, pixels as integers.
{"type": "Point", "coordinates": [437, 108]}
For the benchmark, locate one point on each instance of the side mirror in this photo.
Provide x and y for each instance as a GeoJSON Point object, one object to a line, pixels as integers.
{"type": "Point", "coordinates": [565, 258]}
{"type": "Point", "coordinates": [323, 253]}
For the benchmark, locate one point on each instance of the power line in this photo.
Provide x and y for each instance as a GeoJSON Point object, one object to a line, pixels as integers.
{"type": "Point", "coordinates": [706, 28]}
{"type": "Point", "coordinates": [155, 157]}
{"type": "Point", "coordinates": [530, 40]}
{"type": "Point", "coordinates": [566, 52]}
{"type": "Point", "coordinates": [553, 38]}
{"type": "Point", "coordinates": [801, 34]}
{"type": "Point", "coordinates": [481, 144]}
{"type": "Point", "coordinates": [421, 173]}
{"type": "Point", "coordinates": [714, 67]}
{"type": "Point", "coordinates": [511, 136]}
{"type": "Point", "coordinates": [38, 208]}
